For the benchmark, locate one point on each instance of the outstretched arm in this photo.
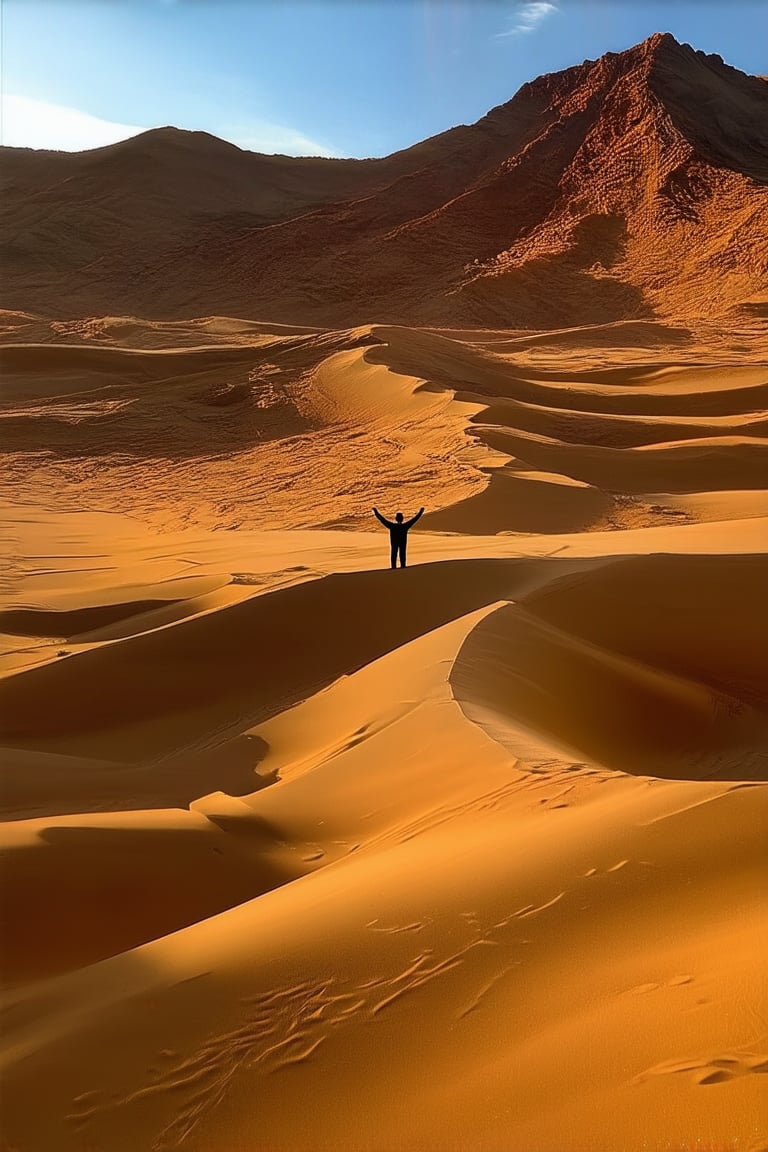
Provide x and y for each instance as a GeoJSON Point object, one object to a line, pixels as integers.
{"type": "Point", "coordinates": [419, 514]}
{"type": "Point", "coordinates": [382, 519]}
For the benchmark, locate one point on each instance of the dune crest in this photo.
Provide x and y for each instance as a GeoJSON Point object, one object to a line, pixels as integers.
{"type": "Point", "coordinates": [521, 793]}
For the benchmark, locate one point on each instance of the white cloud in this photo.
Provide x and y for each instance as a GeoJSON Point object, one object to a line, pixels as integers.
{"type": "Point", "coordinates": [29, 123]}
{"type": "Point", "coordinates": [264, 137]}
{"type": "Point", "coordinates": [527, 17]}
{"type": "Point", "coordinates": [37, 124]}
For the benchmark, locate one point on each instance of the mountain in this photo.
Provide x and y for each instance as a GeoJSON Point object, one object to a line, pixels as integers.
{"type": "Point", "coordinates": [628, 187]}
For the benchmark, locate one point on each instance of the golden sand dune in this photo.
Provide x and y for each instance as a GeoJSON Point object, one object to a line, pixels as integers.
{"type": "Point", "coordinates": [302, 853]}
{"type": "Point", "coordinates": [653, 688]}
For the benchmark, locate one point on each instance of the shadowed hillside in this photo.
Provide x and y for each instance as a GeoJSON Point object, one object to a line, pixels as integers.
{"type": "Point", "coordinates": [629, 187]}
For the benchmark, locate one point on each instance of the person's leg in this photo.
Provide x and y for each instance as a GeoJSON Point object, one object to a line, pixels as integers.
{"type": "Point", "coordinates": [402, 555]}
{"type": "Point", "coordinates": [393, 556]}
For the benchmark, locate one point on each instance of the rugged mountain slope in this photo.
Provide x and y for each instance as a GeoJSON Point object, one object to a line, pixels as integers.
{"type": "Point", "coordinates": [628, 187]}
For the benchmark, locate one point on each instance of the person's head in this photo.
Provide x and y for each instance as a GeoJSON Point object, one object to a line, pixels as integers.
{"type": "Point", "coordinates": [399, 517]}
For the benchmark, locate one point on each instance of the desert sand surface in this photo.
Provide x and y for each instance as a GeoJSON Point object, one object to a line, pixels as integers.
{"type": "Point", "coordinates": [302, 854]}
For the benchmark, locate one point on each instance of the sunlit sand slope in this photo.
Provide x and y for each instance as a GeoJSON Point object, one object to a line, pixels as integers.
{"type": "Point", "coordinates": [303, 854]}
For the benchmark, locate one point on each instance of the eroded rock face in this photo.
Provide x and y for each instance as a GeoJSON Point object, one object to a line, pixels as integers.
{"type": "Point", "coordinates": [631, 186]}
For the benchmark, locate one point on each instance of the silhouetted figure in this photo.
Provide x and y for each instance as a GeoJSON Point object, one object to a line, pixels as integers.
{"type": "Point", "coordinates": [398, 533]}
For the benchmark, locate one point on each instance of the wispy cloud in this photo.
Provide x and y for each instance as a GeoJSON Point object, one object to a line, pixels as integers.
{"type": "Point", "coordinates": [29, 123]}
{"type": "Point", "coordinates": [527, 18]}
{"type": "Point", "coordinates": [276, 138]}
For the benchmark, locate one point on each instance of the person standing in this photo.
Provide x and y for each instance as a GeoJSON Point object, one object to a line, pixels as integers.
{"type": "Point", "coordinates": [398, 534]}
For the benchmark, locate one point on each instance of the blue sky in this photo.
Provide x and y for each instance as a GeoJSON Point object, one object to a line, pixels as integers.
{"type": "Point", "coordinates": [332, 77]}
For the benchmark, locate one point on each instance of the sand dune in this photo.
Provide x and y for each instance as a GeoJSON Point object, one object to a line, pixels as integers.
{"type": "Point", "coordinates": [452, 413]}
{"type": "Point", "coordinates": [655, 690]}
{"type": "Point", "coordinates": [293, 857]}
{"type": "Point", "coordinates": [303, 854]}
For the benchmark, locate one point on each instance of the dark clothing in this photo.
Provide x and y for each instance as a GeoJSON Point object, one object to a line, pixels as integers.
{"type": "Point", "coordinates": [395, 551]}
{"type": "Point", "coordinates": [398, 536]}
{"type": "Point", "coordinates": [398, 533]}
